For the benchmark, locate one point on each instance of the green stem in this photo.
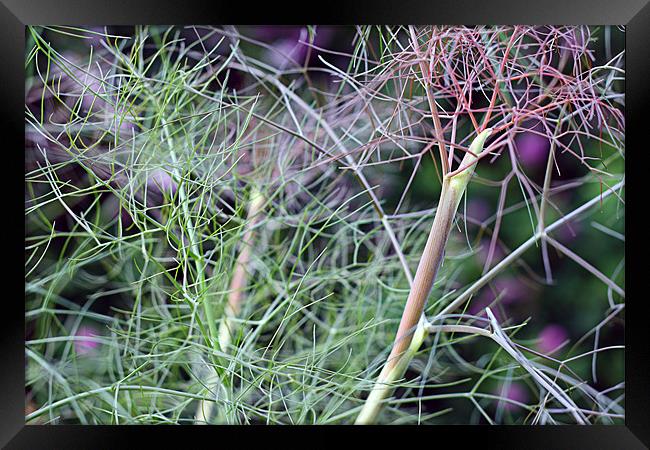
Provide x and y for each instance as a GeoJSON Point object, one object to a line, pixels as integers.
{"type": "Point", "coordinates": [195, 251]}
{"type": "Point", "coordinates": [411, 332]}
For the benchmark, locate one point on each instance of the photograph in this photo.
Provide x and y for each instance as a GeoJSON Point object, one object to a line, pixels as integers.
{"type": "Point", "coordinates": [325, 225]}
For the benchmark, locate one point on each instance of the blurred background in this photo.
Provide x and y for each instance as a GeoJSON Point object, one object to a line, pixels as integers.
{"type": "Point", "coordinates": [567, 315]}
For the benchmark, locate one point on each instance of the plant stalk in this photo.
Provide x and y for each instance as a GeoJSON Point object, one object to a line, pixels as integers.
{"type": "Point", "coordinates": [235, 297]}
{"type": "Point", "coordinates": [412, 331]}
{"type": "Point", "coordinates": [240, 276]}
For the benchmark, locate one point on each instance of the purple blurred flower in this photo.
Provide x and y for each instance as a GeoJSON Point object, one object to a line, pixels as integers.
{"type": "Point", "coordinates": [127, 219]}
{"type": "Point", "coordinates": [510, 291]}
{"type": "Point", "coordinates": [478, 305]}
{"type": "Point", "coordinates": [551, 337]}
{"type": "Point", "coordinates": [85, 343]}
{"type": "Point", "coordinates": [290, 44]}
{"type": "Point", "coordinates": [270, 33]}
{"type": "Point", "coordinates": [478, 209]}
{"type": "Point", "coordinates": [515, 392]}
{"type": "Point", "coordinates": [484, 250]}
{"type": "Point", "coordinates": [112, 208]}
{"type": "Point", "coordinates": [96, 36]}
{"type": "Point", "coordinates": [286, 50]}
{"type": "Point", "coordinates": [532, 147]}
{"type": "Point", "coordinates": [160, 181]}
{"type": "Point", "coordinates": [92, 86]}
{"type": "Point", "coordinates": [568, 231]}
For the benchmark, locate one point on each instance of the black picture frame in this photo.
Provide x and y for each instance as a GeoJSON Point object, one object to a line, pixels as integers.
{"type": "Point", "coordinates": [16, 14]}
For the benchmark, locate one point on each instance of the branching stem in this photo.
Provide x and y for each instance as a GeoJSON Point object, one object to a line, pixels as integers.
{"type": "Point", "coordinates": [411, 331]}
